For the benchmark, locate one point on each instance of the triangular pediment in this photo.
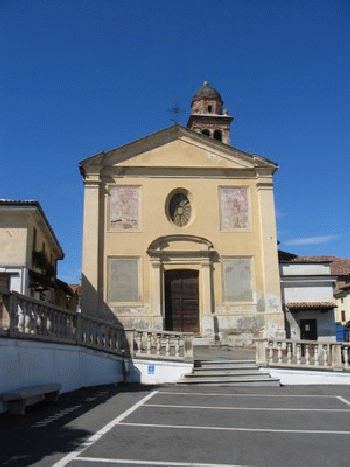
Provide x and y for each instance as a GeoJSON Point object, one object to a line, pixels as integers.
{"type": "Point", "coordinates": [177, 147]}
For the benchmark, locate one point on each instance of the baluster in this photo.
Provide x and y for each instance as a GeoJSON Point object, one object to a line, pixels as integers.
{"type": "Point", "coordinates": [316, 362]}
{"type": "Point", "coordinates": [177, 346]}
{"type": "Point", "coordinates": [97, 340]}
{"type": "Point", "coordinates": [104, 336]}
{"type": "Point", "coordinates": [149, 342]}
{"type": "Point", "coordinates": [49, 321]}
{"type": "Point", "coordinates": [158, 344]}
{"type": "Point", "coordinates": [27, 317]}
{"type": "Point", "coordinates": [139, 341]}
{"type": "Point", "coordinates": [113, 340]}
{"type": "Point", "coordinates": [298, 354]}
{"type": "Point", "coordinates": [56, 324]}
{"type": "Point", "coordinates": [279, 352]}
{"type": "Point", "coordinates": [62, 321]}
{"type": "Point", "coordinates": [167, 345]}
{"type": "Point", "coordinates": [289, 353]}
{"type": "Point", "coordinates": [307, 354]}
{"type": "Point", "coordinates": [21, 315]}
{"type": "Point", "coordinates": [270, 344]}
{"type": "Point", "coordinates": [37, 319]}
{"type": "Point", "coordinates": [43, 320]}
{"type": "Point", "coordinates": [324, 355]}
{"type": "Point", "coordinates": [182, 346]}
{"type": "Point", "coordinates": [346, 357]}
{"type": "Point", "coordinates": [72, 326]}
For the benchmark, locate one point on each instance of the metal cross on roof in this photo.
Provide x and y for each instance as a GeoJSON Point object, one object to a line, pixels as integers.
{"type": "Point", "coordinates": [176, 110]}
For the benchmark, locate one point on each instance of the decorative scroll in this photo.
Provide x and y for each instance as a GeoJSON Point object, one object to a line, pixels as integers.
{"type": "Point", "coordinates": [234, 208]}
{"type": "Point", "coordinates": [124, 208]}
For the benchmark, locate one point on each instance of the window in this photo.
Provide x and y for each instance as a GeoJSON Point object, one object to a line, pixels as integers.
{"type": "Point", "coordinates": [343, 315]}
{"type": "Point", "coordinates": [218, 135]}
{"type": "Point", "coordinates": [205, 132]}
{"type": "Point", "coordinates": [5, 280]}
{"type": "Point", "coordinates": [123, 280]}
{"type": "Point", "coordinates": [210, 109]}
{"type": "Point", "coordinates": [35, 238]}
{"type": "Point", "coordinates": [180, 208]}
{"type": "Point", "coordinates": [237, 282]}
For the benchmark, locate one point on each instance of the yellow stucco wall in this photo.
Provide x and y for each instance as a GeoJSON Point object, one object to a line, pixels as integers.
{"type": "Point", "coordinates": [13, 240]}
{"type": "Point", "coordinates": [200, 168]}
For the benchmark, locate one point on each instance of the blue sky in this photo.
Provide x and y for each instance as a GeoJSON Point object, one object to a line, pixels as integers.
{"type": "Point", "coordinates": [79, 77]}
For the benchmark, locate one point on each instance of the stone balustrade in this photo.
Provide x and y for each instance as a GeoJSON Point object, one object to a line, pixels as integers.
{"type": "Point", "coordinates": [160, 344]}
{"type": "Point", "coordinates": [291, 353]}
{"type": "Point", "coordinates": [28, 318]}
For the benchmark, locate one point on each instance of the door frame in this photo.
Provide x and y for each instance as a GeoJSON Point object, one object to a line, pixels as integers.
{"type": "Point", "coordinates": [305, 321]}
{"type": "Point", "coordinates": [180, 251]}
{"type": "Point", "coordinates": [181, 274]}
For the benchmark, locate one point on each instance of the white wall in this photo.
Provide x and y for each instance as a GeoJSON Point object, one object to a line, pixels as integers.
{"type": "Point", "coordinates": [303, 377]}
{"type": "Point", "coordinates": [27, 363]}
{"type": "Point", "coordinates": [157, 371]}
{"type": "Point", "coordinates": [302, 269]}
{"type": "Point", "coordinates": [293, 293]}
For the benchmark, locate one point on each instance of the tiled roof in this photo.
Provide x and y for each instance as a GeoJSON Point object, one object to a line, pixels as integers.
{"type": "Point", "coordinates": [304, 305]}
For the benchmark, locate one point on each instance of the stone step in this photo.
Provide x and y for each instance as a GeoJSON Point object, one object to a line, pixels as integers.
{"type": "Point", "coordinates": [228, 372]}
{"type": "Point", "coordinates": [223, 362]}
{"type": "Point", "coordinates": [224, 367]}
{"type": "Point", "coordinates": [225, 372]}
{"type": "Point", "coordinates": [239, 381]}
{"type": "Point", "coordinates": [257, 375]}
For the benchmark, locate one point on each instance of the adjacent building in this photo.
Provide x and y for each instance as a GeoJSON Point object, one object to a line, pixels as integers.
{"type": "Point", "coordinates": [29, 251]}
{"type": "Point", "coordinates": [307, 286]}
{"type": "Point", "coordinates": [179, 232]}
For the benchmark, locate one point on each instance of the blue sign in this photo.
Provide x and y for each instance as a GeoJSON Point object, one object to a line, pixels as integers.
{"type": "Point", "coordinates": [150, 369]}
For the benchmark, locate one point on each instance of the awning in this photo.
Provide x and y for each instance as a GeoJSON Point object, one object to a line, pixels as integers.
{"type": "Point", "coordinates": [310, 305]}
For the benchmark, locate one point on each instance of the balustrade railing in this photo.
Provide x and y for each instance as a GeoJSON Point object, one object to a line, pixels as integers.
{"type": "Point", "coordinates": [26, 317]}
{"type": "Point", "coordinates": [160, 344]}
{"type": "Point", "coordinates": [306, 354]}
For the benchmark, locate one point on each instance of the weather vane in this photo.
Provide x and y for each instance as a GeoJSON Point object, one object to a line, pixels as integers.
{"type": "Point", "coordinates": [176, 110]}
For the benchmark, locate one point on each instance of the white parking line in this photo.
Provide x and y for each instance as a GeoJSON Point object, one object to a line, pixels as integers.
{"type": "Point", "coordinates": [92, 439]}
{"type": "Point", "coordinates": [244, 408]}
{"type": "Point", "coordinates": [343, 400]}
{"type": "Point", "coordinates": [132, 461]}
{"type": "Point", "coordinates": [264, 430]}
{"type": "Point", "coordinates": [246, 395]}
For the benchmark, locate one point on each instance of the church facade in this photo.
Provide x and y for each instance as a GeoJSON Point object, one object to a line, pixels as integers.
{"type": "Point", "coordinates": [179, 233]}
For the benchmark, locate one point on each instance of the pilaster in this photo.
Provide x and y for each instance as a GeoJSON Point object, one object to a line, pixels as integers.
{"type": "Point", "coordinates": [268, 239]}
{"type": "Point", "coordinates": [91, 272]}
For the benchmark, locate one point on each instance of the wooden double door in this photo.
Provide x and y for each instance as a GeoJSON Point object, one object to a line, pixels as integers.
{"type": "Point", "coordinates": [181, 300]}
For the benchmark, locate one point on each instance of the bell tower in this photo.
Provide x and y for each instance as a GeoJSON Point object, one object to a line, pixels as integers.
{"type": "Point", "coordinates": [207, 117]}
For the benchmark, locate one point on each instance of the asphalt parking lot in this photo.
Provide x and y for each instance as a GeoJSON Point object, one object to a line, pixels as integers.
{"type": "Point", "coordinates": [181, 426]}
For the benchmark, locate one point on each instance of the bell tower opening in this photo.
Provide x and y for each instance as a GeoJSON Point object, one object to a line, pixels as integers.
{"type": "Point", "coordinates": [207, 116]}
{"type": "Point", "coordinates": [218, 135]}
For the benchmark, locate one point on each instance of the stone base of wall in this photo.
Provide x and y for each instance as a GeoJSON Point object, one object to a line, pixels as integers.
{"type": "Point", "coordinates": [142, 323]}
{"type": "Point", "coordinates": [234, 330]}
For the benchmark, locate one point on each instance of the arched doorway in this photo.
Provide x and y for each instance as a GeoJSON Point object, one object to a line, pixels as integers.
{"type": "Point", "coordinates": [181, 300]}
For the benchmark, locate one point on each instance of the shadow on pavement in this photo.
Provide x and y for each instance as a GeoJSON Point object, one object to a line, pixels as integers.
{"type": "Point", "coordinates": [43, 431]}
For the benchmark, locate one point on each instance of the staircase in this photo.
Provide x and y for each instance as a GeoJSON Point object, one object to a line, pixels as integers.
{"type": "Point", "coordinates": [228, 373]}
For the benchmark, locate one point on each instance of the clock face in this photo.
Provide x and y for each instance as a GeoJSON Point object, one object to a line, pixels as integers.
{"type": "Point", "coordinates": [180, 209]}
